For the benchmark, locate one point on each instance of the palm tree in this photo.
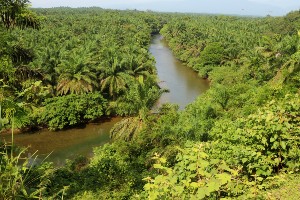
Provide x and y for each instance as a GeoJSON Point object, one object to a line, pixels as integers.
{"type": "Point", "coordinates": [23, 73]}
{"type": "Point", "coordinates": [139, 68]}
{"type": "Point", "coordinates": [76, 77]}
{"type": "Point", "coordinates": [127, 129]}
{"type": "Point", "coordinates": [114, 78]}
{"type": "Point", "coordinates": [289, 72]}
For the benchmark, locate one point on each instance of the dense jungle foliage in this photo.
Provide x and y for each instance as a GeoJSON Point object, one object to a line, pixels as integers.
{"type": "Point", "coordinates": [67, 57]}
{"type": "Point", "coordinates": [239, 140]}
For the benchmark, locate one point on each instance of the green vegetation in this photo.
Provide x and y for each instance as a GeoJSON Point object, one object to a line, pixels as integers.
{"type": "Point", "coordinates": [289, 189]}
{"type": "Point", "coordinates": [68, 57]}
{"type": "Point", "coordinates": [72, 109]}
{"type": "Point", "coordinates": [238, 140]}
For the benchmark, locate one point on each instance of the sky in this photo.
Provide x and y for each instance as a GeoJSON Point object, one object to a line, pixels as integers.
{"type": "Point", "coordinates": [238, 7]}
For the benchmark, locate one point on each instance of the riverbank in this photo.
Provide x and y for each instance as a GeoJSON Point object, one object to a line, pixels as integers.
{"type": "Point", "coordinates": [184, 86]}
{"type": "Point", "coordinates": [183, 83]}
{"type": "Point", "coordinates": [68, 143]}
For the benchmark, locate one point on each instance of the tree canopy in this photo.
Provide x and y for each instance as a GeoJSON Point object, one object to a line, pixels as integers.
{"type": "Point", "coordinates": [239, 140]}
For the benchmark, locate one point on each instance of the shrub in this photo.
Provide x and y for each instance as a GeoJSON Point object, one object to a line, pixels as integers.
{"type": "Point", "coordinates": [69, 110]}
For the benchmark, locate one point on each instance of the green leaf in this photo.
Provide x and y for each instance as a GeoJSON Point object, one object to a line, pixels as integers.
{"type": "Point", "coordinates": [204, 164]}
{"type": "Point", "coordinates": [202, 193]}
{"type": "Point", "coordinates": [272, 139]}
{"type": "Point", "coordinates": [194, 184]}
{"type": "Point", "coordinates": [283, 145]}
{"type": "Point", "coordinates": [259, 179]}
{"type": "Point", "coordinates": [158, 166]}
{"type": "Point", "coordinates": [213, 186]}
{"type": "Point", "coordinates": [225, 178]}
{"type": "Point", "coordinates": [224, 166]}
{"type": "Point", "coordinates": [192, 167]}
{"type": "Point", "coordinates": [163, 160]}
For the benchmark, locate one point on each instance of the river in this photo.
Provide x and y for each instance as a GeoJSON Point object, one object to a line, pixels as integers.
{"type": "Point", "coordinates": [182, 82]}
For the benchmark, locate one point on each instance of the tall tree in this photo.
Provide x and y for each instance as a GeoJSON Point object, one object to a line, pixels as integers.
{"type": "Point", "coordinates": [76, 76]}
{"type": "Point", "coordinates": [114, 78]}
{"type": "Point", "coordinates": [15, 13]}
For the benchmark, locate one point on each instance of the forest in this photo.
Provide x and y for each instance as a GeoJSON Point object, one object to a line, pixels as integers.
{"type": "Point", "coordinates": [63, 67]}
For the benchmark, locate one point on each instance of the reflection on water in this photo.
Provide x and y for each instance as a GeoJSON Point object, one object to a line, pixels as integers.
{"type": "Point", "coordinates": [65, 144]}
{"type": "Point", "coordinates": [183, 83]}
